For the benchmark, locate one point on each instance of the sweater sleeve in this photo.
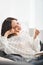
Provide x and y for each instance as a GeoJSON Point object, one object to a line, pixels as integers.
{"type": "Point", "coordinates": [35, 44]}
{"type": "Point", "coordinates": [4, 45]}
{"type": "Point", "coordinates": [3, 42]}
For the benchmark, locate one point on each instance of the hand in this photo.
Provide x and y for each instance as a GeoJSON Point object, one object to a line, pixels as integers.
{"type": "Point", "coordinates": [36, 33]}
{"type": "Point", "coordinates": [8, 32]}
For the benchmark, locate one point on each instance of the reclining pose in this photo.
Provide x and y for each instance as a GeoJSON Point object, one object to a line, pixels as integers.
{"type": "Point", "coordinates": [15, 39]}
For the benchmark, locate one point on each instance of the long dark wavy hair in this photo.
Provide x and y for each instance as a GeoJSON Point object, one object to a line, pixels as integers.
{"type": "Point", "coordinates": [6, 25]}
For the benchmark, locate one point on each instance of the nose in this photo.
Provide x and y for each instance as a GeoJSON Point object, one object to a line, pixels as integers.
{"type": "Point", "coordinates": [18, 27]}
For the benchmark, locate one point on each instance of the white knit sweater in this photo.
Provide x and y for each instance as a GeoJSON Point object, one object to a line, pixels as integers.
{"type": "Point", "coordinates": [22, 44]}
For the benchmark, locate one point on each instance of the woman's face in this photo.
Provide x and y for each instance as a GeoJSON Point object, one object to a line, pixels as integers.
{"type": "Point", "coordinates": [16, 27]}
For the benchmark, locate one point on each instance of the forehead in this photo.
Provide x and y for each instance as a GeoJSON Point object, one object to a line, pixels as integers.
{"type": "Point", "coordinates": [14, 21]}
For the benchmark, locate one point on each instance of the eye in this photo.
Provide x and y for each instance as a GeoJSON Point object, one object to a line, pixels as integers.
{"type": "Point", "coordinates": [17, 23]}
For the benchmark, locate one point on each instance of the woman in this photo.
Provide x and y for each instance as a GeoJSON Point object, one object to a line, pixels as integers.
{"type": "Point", "coordinates": [16, 40]}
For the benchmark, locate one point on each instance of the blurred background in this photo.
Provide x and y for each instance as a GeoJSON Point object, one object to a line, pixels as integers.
{"type": "Point", "coordinates": [29, 12]}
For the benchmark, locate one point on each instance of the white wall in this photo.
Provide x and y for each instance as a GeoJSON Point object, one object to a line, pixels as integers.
{"type": "Point", "coordinates": [4, 9]}
{"type": "Point", "coordinates": [28, 11]}
{"type": "Point", "coordinates": [21, 9]}
{"type": "Point", "coordinates": [39, 14]}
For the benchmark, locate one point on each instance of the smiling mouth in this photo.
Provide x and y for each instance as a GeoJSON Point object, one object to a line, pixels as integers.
{"type": "Point", "coordinates": [17, 30]}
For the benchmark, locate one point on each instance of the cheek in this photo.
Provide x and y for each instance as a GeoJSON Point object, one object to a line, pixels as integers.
{"type": "Point", "coordinates": [12, 30]}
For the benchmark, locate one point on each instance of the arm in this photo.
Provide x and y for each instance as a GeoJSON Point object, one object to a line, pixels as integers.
{"type": "Point", "coordinates": [3, 41]}
{"type": "Point", "coordinates": [4, 45]}
{"type": "Point", "coordinates": [34, 41]}
{"type": "Point", "coordinates": [36, 45]}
